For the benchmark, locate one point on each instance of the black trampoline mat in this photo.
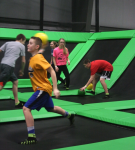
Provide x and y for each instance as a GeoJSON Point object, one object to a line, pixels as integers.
{"type": "Point", "coordinates": [57, 133]}
{"type": "Point", "coordinates": [132, 111]}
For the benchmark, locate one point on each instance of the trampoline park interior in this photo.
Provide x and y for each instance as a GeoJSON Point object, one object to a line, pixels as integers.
{"type": "Point", "coordinates": [100, 124]}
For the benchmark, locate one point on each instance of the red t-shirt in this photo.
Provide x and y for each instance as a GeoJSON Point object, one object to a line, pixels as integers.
{"type": "Point", "coordinates": [98, 66]}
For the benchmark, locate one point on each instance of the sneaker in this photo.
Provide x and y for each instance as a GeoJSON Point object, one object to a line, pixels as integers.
{"type": "Point", "coordinates": [71, 119]}
{"type": "Point", "coordinates": [106, 96]}
{"type": "Point", "coordinates": [92, 92]}
{"type": "Point", "coordinates": [29, 140]}
{"type": "Point", "coordinates": [20, 105]}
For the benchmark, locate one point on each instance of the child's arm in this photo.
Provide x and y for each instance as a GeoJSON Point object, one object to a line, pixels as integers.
{"type": "Point", "coordinates": [56, 68]}
{"type": "Point", "coordinates": [41, 51]}
{"type": "Point", "coordinates": [54, 80]}
{"type": "Point", "coordinates": [89, 81]}
{"type": "Point", "coordinates": [68, 61]}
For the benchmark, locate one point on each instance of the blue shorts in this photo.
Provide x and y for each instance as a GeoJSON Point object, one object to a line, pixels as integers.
{"type": "Point", "coordinates": [38, 100]}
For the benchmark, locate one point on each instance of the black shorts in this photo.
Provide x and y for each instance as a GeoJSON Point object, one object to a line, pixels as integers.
{"type": "Point", "coordinates": [105, 74]}
{"type": "Point", "coordinates": [7, 74]}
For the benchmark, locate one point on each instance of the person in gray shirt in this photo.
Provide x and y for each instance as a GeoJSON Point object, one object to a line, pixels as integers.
{"type": "Point", "coordinates": [12, 51]}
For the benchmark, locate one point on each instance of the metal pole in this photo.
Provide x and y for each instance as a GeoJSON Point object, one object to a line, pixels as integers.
{"type": "Point", "coordinates": [97, 15]}
{"type": "Point", "coordinates": [41, 14]}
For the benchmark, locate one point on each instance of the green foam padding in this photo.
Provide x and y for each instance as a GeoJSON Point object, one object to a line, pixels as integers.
{"type": "Point", "coordinates": [77, 108]}
{"type": "Point", "coordinates": [114, 105]}
{"type": "Point", "coordinates": [94, 36]}
{"type": "Point", "coordinates": [17, 115]}
{"type": "Point", "coordinates": [121, 63]}
{"type": "Point", "coordinates": [81, 54]}
{"type": "Point", "coordinates": [58, 102]}
{"type": "Point", "coordinates": [127, 143]}
{"type": "Point", "coordinates": [22, 83]}
{"type": "Point", "coordinates": [7, 33]}
{"type": "Point", "coordinates": [6, 94]}
{"type": "Point", "coordinates": [116, 35]}
{"type": "Point", "coordinates": [2, 97]}
{"type": "Point", "coordinates": [111, 116]}
{"type": "Point", "coordinates": [74, 52]}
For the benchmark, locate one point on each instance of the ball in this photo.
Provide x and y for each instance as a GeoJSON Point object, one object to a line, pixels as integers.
{"type": "Point", "coordinates": [90, 86]}
{"type": "Point", "coordinates": [81, 93]}
{"type": "Point", "coordinates": [43, 37]}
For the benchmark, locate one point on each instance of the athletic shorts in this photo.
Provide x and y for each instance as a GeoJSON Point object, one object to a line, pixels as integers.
{"type": "Point", "coordinates": [38, 100]}
{"type": "Point", "coordinates": [105, 74]}
{"type": "Point", "coordinates": [7, 74]}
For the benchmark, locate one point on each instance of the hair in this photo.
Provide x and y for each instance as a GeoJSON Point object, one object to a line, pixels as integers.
{"type": "Point", "coordinates": [86, 61]}
{"type": "Point", "coordinates": [55, 43]}
{"type": "Point", "coordinates": [38, 41]}
{"type": "Point", "coordinates": [20, 36]}
{"type": "Point", "coordinates": [64, 47]}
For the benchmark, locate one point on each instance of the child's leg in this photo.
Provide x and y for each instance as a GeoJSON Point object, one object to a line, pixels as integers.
{"type": "Point", "coordinates": [66, 73]}
{"type": "Point", "coordinates": [49, 106]}
{"type": "Point", "coordinates": [14, 80]}
{"type": "Point", "coordinates": [15, 91]}
{"type": "Point", "coordinates": [96, 79]}
{"type": "Point", "coordinates": [28, 117]}
{"type": "Point", "coordinates": [102, 80]}
{"type": "Point", "coordinates": [58, 110]}
{"type": "Point", "coordinates": [58, 75]}
{"type": "Point", "coordinates": [61, 111]}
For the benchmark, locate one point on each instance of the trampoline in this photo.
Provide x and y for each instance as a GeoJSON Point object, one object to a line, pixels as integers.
{"type": "Point", "coordinates": [99, 123]}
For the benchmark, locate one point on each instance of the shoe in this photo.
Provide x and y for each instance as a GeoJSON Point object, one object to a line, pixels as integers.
{"type": "Point", "coordinates": [92, 92]}
{"type": "Point", "coordinates": [20, 105]}
{"type": "Point", "coordinates": [106, 96]}
{"type": "Point", "coordinates": [71, 119]}
{"type": "Point", "coordinates": [67, 88]}
{"type": "Point", "coordinates": [29, 140]}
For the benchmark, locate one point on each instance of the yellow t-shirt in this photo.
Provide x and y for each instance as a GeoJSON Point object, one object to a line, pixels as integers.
{"type": "Point", "coordinates": [38, 66]}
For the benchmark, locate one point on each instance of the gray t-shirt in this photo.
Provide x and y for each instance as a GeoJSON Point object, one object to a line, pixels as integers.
{"type": "Point", "coordinates": [12, 50]}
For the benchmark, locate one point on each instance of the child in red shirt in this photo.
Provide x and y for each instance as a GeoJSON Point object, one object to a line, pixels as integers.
{"type": "Point", "coordinates": [100, 70]}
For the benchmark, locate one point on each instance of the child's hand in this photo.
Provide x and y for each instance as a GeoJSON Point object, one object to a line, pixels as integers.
{"type": "Point", "coordinates": [82, 89]}
{"type": "Point", "coordinates": [56, 69]}
{"type": "Point", "coordinates": [21, 73]}
{"type": "Point", "coordinates": [56, 93]}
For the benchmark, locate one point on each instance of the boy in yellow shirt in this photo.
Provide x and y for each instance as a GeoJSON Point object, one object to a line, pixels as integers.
{"type": "Point", "coordinates": [38, 67]}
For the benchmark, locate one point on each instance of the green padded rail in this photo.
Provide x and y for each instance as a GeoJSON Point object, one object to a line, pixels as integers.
{"type": "Point", "coordinates": [22, 83]}
{"type": "Point", "coordinates": [127, 143]}
{"type": "Point", "coordinates": [121, 63]}
{"type": "Point", "coordinates": [17, 115]}
{"type": "Point", "coordinates": [81, 54]}
{"type": "Point", "coordinates": [6, 33]}
{"type": "Point", "coordinates": [114, 105]}
{"type": "Point", "coordinates": [111, 116]}
{"type": "Point", "coordinates": [6, 94]}
{"type": "Point", "coordinates": [113, 35]}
